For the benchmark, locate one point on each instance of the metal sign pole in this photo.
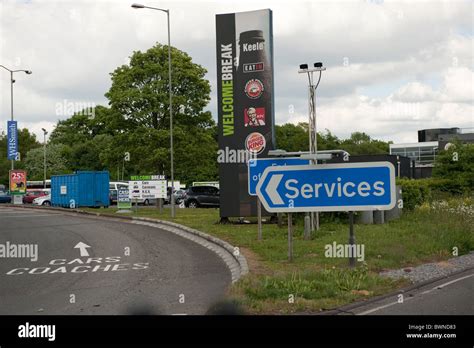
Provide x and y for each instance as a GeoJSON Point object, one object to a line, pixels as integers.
{"type": "Point", "coordinates": [290, 237]}
{"type": "Point", "coordinates": [352, 260]}
{"type": "Point", "coordinates": [259, 213]}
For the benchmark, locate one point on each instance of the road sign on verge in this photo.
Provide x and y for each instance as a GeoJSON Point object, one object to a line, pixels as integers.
{"type": "Point", "coordinates": [256, 167]}
{"type": "Point", "coordinates": [328, 187]}
{"type": "Point", "coordinates": [147, 189]}
{"type": "Point", "coordinates": [123, 199]}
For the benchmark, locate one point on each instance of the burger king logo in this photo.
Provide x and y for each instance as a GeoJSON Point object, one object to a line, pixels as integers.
{"type": "Point", "coordinates": [255, 142]}
{"type": "Point", "coordinates": [254, 88]}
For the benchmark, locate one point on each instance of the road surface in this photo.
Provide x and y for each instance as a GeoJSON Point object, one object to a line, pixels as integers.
{"type": "Point", "coordinates": [452, 295]}
{"type": "Point", "coordinates": [121, 268]}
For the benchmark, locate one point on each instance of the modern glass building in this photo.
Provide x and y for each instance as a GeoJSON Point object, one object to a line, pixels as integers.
{"type": "Point", "coordinates": [422, 153]}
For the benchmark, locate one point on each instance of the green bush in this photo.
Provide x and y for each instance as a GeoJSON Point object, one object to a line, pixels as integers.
{"type": "Point", "coordinates": [414, 192]}
{"type": "Point", "coordinates": [453, 186]}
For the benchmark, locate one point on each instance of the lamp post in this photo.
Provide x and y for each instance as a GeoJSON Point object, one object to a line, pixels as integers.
{"type": "Point", "coordinates": [139, 6]}
{"type": "Point", "coordinates": [313, 134]}
{"type": "Point", "coordinates": [12, 81]}
{"type": "Point", "coordinates": [44, 156]}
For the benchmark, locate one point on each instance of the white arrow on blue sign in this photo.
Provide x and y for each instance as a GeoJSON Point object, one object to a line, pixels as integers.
{"type": "Point", "coordinates": [328, 187]}
{"type": "Point", "coordinates": [256, 167]}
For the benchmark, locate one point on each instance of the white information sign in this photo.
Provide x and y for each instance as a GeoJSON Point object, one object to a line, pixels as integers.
{"type": "Point", "coordinates": [147, 189]}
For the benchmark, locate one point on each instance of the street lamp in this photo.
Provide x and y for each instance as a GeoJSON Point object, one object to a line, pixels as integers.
{"type": "Point", "coordinates": [139, 6]}
{"type": "Point", "coordinates": [12, 81]}
{"type": "Point", "coordinates": [313, 135]}
{"type": "Point", "coordinates": [44, 155]}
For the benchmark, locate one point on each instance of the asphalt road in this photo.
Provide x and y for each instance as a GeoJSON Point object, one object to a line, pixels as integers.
{"type": "Point", "coordinates": [452, 295]}
{"type": "Point", "coordinates": [130, 268]}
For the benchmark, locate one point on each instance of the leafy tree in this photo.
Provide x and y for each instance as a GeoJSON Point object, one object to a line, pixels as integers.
{"type": "Point", "coordinates": [291, 137]}
{"type": "Point", "coordinates": [56, 162]}
{"type": "Point", "coordinates": [457, 164]}
{"type": "Point", "coordinates": [140, 92]}
{"type": "Point", "coordinates": [362, 144]}
{"type": "Point", "coordinates": [137, 122]}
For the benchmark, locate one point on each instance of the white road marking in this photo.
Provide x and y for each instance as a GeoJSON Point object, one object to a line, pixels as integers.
{"type": "Point", "coordinates": [453, 281]}
{"type": "Point", "coordinates": [382, 307]}
{"type": "Point", "coordinates": [410, 298]}
{"type": "Point", "coordinates": [24, 215]}
{"type": "Point", "coordinates": [82, 248]}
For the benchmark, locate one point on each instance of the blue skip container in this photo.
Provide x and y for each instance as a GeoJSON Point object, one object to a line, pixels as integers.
{"type": "Point", "coordinates": [82, 189]}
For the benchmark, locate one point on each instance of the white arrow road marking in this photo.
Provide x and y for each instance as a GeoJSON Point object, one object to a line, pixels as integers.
{"type": "Point", "coordinates": [82, 248]}
{"type": "Point", "coordinates": [271, 189]}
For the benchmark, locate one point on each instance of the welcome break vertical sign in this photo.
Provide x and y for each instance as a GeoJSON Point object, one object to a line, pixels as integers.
{"type": "Point", "coordinates": [245, 102]}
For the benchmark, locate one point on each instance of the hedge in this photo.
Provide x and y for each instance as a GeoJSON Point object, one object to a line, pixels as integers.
{"type": "Point", "coordinates": [416, 192]}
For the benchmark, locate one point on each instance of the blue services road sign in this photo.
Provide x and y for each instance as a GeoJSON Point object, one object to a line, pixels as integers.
{"type": "Point", "coordinates": [256, 167]}
{"type": "Point", "coordinates": [328, 187]}
{"type": "Point", "coordinates": [12, 140]}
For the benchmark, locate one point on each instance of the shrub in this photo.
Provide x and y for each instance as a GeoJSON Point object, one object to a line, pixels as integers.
{"type": "Point", "coordinates": [414, 192]}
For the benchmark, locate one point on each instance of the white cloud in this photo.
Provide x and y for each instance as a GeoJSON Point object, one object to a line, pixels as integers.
{"type": "Point", "coordinates": [409, 64]}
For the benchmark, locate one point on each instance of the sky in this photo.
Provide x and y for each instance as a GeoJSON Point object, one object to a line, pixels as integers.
{"type": "Point", "coordinates": [393, 67]}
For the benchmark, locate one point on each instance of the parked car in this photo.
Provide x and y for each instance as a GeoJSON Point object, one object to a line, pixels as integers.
{"type": "Point", "coordinates": [31, 195]}
{"type": "Point", "coordinates": [43, 200]}
{"type": "Point", "coordinates": [179, 196]}
{"type": "Point", "coordinates": [5, 197]}
{"type": "Point", "coordinates": [201, 196]}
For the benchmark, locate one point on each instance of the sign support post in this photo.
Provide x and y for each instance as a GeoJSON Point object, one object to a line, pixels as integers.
{"type": "Point", "coordinates": [352, 260]}
{"type": "Point", "coordinates": [259, 213]}
{"type": "Point", "coordinates": [290, 237]}
{"type": "Point", "coordinates": [307, 226]}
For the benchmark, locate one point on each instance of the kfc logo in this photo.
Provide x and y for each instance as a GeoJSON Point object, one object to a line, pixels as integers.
{"type": "Point", "coordinates": [254, 117]}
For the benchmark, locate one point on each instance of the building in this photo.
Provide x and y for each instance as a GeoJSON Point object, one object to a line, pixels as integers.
{"type": "Point", "coordinates": [430, 142]}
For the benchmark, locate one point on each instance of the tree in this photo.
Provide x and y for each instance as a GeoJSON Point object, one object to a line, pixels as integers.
{"type": "Point", "coordinates": [457, 164]}
{"type": "Point", "coordinates": [140, 92]}
{"type": "Point", "coordinates": [137, 122]}
{"type": "Point", "coordinates": [291, 137]}
{"type": "Point", "coordinates": [362, 144]}
{"type": "Point", "coordinates": [56, 162]}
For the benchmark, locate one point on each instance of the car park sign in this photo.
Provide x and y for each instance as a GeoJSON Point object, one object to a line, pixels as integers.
{"type": "Point", "coordinates": [123, 199]}
{"type": "Point", "coordinates": [256, 167]}
{"type": "Point", "coordinates": [147, 189]}
{"type": "Point", "coordinates": [328, 187]}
